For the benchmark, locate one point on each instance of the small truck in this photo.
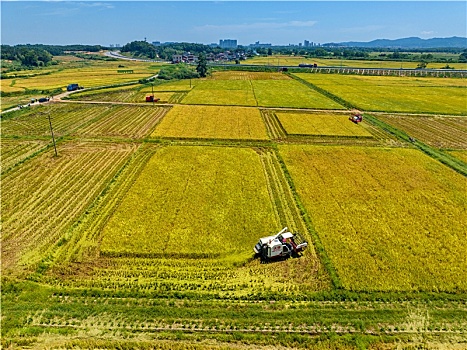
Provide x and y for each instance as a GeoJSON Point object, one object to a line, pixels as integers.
{"type": "Point", "coordinates": [282, 245]}
{"type": "Point", "coordinates": [73, 87]}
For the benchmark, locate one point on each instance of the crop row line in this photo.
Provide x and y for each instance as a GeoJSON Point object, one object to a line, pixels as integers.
{"type": "Point", "coordinates": [274, 127]}
{"type": "Point", "coordinates": [309, 330]}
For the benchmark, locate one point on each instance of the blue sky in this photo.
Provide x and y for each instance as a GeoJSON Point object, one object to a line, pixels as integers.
{"type": "Point", "coordinates": [276, 22]}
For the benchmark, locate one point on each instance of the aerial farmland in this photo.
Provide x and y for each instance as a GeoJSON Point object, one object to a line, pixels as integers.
{"type": "Point", "coordinates": [139, 233]}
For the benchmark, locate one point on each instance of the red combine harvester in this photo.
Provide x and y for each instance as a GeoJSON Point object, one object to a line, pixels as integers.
{"type": "Point", "coordinates": [151, 99]}
{"type": "Point", "coordinates": [356, 118]}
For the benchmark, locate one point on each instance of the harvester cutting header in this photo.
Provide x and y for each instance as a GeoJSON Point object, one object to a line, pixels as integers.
{"type": "Point", "coordinates": [282, 245]}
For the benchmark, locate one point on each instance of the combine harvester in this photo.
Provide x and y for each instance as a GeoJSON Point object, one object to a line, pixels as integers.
{"type": "Point", "coordinates": [280, 246]}
{"type": "Point", "coordinates": [151, 98]}
{"type": "Point", "coordinates": [356, 117]}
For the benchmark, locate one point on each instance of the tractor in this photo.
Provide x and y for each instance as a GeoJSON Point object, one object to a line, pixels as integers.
{"type": "Point", "coordinates": [280, 246]}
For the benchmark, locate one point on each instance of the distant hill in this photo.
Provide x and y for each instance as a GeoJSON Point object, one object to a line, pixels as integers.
{"type": "Point", "coordinates": [409, 43]}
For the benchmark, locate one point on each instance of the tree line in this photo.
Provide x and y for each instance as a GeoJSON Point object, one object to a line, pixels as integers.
{"type": "Point", "coordinates": [41, 55]}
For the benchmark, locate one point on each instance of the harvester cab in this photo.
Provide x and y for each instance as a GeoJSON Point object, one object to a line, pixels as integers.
{"type": "Point", "coordinates": [282, 245]}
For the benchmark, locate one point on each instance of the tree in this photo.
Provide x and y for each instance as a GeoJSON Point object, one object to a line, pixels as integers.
{"type": "Point", "coordinates": [422, 65]}
{"type": "Point", "coordinates": [202, 67]}
{"type": "Point", "coordinates": [269, 52]}
{"type": "Point", "coordinates": [463, 56]}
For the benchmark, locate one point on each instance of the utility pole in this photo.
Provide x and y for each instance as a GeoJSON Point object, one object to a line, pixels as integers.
{"type": "Point", "coordinates": [52, 132]}
{"type": "Point", "coordinates": [152, 89]}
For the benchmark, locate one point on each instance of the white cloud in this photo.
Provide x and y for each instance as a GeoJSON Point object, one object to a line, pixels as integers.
{"type": "Point", "coordinates": [427, 32]}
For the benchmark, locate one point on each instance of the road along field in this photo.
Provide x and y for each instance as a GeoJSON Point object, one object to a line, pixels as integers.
{"type": "Point", "coordinates": [210, 122]}
{"type": "Point", "coordinates": [256, 89]}
{"type": "Point", "coordinates": [396, 94]}
{"type": "Point", "coordinates": [390, 219]}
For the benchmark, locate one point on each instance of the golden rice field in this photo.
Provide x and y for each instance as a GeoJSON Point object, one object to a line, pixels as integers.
{"type": "Point", "coordinates": [184, 222]}
{"type": "Point", "coordinates": [235, 123]}
{"type": "Point", "coordinates": [396, 94]}
{"type": "Point", "coordinates": [462, 155]}
{"type": "Point", "coordinates": [201, 200]}
{"type": "Point", "coordinates": [140, 233]}
{"type": "Point", "coordinates": [99, 74]}
{"type": "Point", "coordinates": [321, 124]}
{"type": "Point", "coordinates": [65, 119]}
{"type": "Point", "coordinates": [245, 75]}
{"type": "Point", "coordinates": [390, 219]}
{"type": "Point", "coordinates": [124, 121]}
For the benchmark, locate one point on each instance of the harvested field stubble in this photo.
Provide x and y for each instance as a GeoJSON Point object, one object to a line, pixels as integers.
{"type": "Point", "coordinates": [42, 198]}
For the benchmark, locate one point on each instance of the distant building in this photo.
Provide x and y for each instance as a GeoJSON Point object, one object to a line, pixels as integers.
{"type": "Point", "coordinates": [228, 44]}
{"type": "Point", "coordinates": [259, 45]}
{"type": "Point", "coordinates": [186, 57]}
{"type": "Point", "coordinates": [306, 43]}
{"type": "Point", "coordinates": [156, 43]}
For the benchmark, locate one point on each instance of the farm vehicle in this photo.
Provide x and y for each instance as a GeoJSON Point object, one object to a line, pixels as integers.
{"type": "Point", "coordinates": [280, 246]}
{"type": "Point", "coordinates": [73, 87]}
{"type": "Point", "coordinates": [356, 118]}
{"type": "Point", "coordinates": [151, 98]}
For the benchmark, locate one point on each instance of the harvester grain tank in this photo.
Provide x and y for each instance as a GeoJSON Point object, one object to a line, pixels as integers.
{"type": "Point", "coordinates": [282, 245]}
